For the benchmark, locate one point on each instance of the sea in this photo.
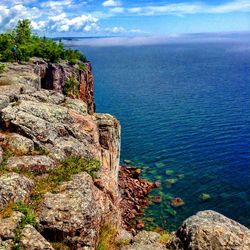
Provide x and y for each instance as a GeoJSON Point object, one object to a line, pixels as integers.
{"type": "Point", "coordinates": [183, 104]}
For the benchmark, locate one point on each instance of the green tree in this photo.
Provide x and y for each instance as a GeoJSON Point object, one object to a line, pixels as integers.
{"type": "Point", "coordinates": [23, 31]}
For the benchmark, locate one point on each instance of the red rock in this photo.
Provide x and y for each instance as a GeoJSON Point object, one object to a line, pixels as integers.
{"type": "Point", "coordinates": [157, 184]}
{"type": "Point", "coordinates": [140, 224]}
{"type": "Point", "coordinates": [134, 193]}
{"type": "Point", "coordinates": [157, 199]}
{"type": "Point", "coordinates": [177, 202]}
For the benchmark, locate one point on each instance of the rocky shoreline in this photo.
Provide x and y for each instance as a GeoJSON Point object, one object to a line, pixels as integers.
{"type": "Point", "coordinates": [61, 184]}
{"type": "Point", "coordinates": [134, 192]}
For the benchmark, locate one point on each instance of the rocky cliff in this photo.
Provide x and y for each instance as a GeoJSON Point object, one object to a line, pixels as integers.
{"type": "Point", "coordinates": [39, 130]}
{"type": "Point", "coordinates": [59, 172]}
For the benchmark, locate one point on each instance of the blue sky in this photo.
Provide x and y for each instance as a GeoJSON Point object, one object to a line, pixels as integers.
{"type": "Point", "coordinates": [127, 17]}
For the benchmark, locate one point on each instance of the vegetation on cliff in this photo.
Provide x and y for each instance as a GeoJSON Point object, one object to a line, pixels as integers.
{"type": "Point", "coordinates": [21, 44]}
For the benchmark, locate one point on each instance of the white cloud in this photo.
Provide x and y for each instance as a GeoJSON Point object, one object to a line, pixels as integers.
{"type": "Point", "coordinates": [117, 10]}
{"type": "Point", "coordinates": [62, 23]}
{"type": "Point", "coordinates": [10, 16]}
{"type": "Point", "coordinates": [240, 5]}
{"type": "Point", "coordinates": [47, 18]}
{"type": "Point", "coordinates": [38, 25]}
{"type": "Point", "coordinates": [192, 8]}
{"type": "Point", "coordinates": [111, 3]}
{"type": "Point", "coordinates": [115, 30]}
{"type": "Point", "coordinates": [56, 4]}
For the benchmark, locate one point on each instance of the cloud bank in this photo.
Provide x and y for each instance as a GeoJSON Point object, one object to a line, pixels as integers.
{"type": "Point", "coordinates": [87, 16]}
{"type": "Point", "coordinates": [232, 38]}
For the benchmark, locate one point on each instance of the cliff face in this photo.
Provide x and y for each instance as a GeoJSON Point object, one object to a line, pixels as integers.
{"type": "Point", "coordinates": [53, 77]}
{"type": "Point", "coordinates": [41, 128]}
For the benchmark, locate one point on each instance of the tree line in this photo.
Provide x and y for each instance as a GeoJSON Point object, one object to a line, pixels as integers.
{"type": "Point", "coordinates": [21, 44]}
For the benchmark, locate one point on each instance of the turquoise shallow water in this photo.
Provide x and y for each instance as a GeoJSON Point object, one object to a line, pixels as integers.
{"type": "Point", "coordinates": [183, 107]}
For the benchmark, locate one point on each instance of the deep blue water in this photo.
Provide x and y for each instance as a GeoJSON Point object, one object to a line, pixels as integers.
{"type": "Point", "coordinates": [183, 107]}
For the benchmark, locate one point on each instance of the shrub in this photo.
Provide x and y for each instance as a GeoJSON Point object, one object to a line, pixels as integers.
{"type": "Point", "coordinates": [29, 218]}
{"type": "Point", "coordinates": [81, 67]}
{"type": "Point", "coordinates": [71, 87]}
{"type": "Point", "coordinates": [107, 238]}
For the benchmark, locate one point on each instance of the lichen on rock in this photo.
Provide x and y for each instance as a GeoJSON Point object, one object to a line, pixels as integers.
{"type": "Point", "coordinates": [210, 230]}
{"type": "Point", "coordinates": [14, 187]}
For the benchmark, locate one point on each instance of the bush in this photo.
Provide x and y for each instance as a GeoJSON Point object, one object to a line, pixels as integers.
{"type": "Point", "coordinates": [71, 87]}
{"type": "Point", "coordinates": [30, 45]}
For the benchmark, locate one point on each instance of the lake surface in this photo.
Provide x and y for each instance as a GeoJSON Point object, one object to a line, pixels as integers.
{"type": "Point", "coordinates": [185, 116]}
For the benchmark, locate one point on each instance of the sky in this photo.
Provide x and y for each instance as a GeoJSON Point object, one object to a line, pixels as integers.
{"type": "Point", "coordinates": [86, 18]}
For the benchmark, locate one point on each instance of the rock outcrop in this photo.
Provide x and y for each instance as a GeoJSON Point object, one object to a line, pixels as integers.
{"type": "Point", "coordinates": [14, 187]}
{"type": "Point", "coordinates": [210, 230]}
{"type": "Point", "coordinates": [33, 163]}
{"type": "Point", "coordinates": [31, 239]}
{"type": "Point", "coordinates": [40, 128]}
{"type": "Point", "coordinates": [76, 214]}
{"type": "Point", "coordinates": [145, 240]}
{"type": "Point", "coordinates": [51, 76]}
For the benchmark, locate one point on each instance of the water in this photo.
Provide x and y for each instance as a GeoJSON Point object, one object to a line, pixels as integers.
{"type": "Point", "coordinates": [183, 107]}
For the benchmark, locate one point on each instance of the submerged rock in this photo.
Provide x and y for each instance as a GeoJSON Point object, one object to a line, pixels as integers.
{"type": "Point", "coordinates": [127, 161]}
{"type": "Point", "coordinates": [205, 196]}
{"type": "Point", "coordinates": [177, 202]}
{"type": "Point", "coordinates": [210, 230]}
{"type": "Point", "coordinates": [171, 181]}
{"type": "Point", "coordinates": [169, 172]}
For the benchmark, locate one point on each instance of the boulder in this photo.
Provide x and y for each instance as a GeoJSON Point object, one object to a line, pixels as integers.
{"type": "Point", "coordinates": [77, 105]}
{"type": "Point", "coordinates": [4, 101]}
{"type": "Point", "coordinates": [209, 230]}
{"type": "Point", "coordinates": [33, 163]}
{"type": "Point", "coordinates": [74, 216]}
{"type": "Point", "coordinates": [9, 224]}
{"type": "Point", "coordinates": [6, 244]}
{"type": "Point", "coordinates": [16, 143]}
{"type": "Point", "coordinates": [44, 96]}
{"type": "Point", "coordinates": [14, 187]}
{"type": "Point", "coordinates": [146, 240]}
{"type": "Point", "coordinates": [33, 240]}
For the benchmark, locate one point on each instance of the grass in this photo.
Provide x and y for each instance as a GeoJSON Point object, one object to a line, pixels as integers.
{"type": "Point", "coordinates": [165, 235]}
{"type": "Point", "coordinates": [62, 173]}
{"type": "Point", "coordinates": [29, 218]}
{"type": "Point", "coordinates": [107, 238]}
{"type": "Point", "coordinates": [81, 67]}
{"type": "Point", "coordinates": [49, 182]}
{"type": "Point", "coordinates": [6, 155]}
{"type": "Point", "coordinates": [59, 246]}
{"type": "Point", "coordinates": [41, 151]}
{"type": "Point", "coordinates": [71, 87]}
